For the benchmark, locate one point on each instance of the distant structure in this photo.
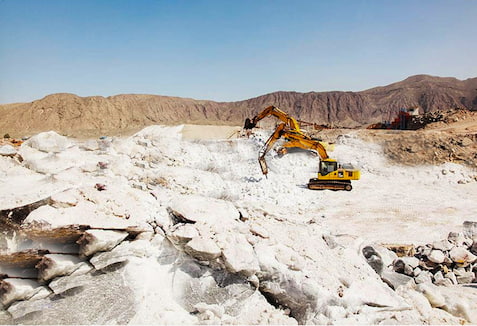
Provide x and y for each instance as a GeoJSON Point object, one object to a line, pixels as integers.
{"type": "Point", "coordinates": [413, 111]}
{"type": "Point", "coordinates": [401, 122]}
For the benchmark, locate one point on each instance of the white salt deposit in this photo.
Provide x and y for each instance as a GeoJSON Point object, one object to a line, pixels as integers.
{"type": "Point", "coordinates": [246, 238]}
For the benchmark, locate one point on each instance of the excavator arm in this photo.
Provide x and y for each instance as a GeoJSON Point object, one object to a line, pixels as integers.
{"type": "Point", "coordinates": [305, 142]}
{"type": "Point", "coordinates": [294, 140]}
{"type": "Point", "coordinates": [271, 110]}
{"type": "Point", "coordinates": [268, 146]}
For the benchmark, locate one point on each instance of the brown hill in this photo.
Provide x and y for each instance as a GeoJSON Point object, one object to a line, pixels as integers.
{"type": "Point", "coordinates": [95, 115]}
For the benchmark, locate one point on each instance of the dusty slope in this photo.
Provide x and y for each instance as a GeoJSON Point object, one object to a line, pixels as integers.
{"type": "Point", "coordinates": [122, 114]}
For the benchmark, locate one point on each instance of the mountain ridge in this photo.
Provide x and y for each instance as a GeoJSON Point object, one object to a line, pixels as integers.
{"type": "Point", "coordinates": [93, 115]}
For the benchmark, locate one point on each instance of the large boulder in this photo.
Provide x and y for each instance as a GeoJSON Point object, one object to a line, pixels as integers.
{"type": "Point", "coordinates": [49, 142]}
{"type": "Point", "coordinates": [7, 150]}
{"type": "Point", "coordinates": [203, 248]}
{"type": "Point", "coordinates": [198, 208]}
{"type": "Point", "coordinates": [93, 241]}
{"type": "Point", "coordinates": [239, 256]}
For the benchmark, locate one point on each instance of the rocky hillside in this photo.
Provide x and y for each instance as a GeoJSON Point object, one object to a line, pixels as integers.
{"type": "Point", "coordinates": [95, 115]}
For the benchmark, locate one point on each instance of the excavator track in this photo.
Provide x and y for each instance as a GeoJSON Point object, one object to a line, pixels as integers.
{"type": "Point", "coordinates": [317, 184]}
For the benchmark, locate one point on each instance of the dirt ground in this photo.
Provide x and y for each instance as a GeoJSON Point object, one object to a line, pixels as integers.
{"type": "Point", "coordinates": [452, 139]}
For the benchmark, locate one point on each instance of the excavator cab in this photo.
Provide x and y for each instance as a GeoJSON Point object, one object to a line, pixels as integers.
{"type": "Point", "coordinates": [333, 176]}
{"type": "Point", "coordinates": [327, 166]}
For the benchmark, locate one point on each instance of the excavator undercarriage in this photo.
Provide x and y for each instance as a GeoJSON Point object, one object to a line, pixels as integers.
{"type": "Point", "coordinates": [317, 184]}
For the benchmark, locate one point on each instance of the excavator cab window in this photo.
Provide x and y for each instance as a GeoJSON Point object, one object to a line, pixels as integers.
{"type": "Point", "coordinates": [327, 167]}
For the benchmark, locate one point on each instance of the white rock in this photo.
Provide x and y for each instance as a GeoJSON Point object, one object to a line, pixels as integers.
{"type": "Point", "coordinates": [423, 277]}
{"type": "Point", "coordinates": [438, 276]}
{"type": "Point", "coordinates": [396, 280]}
{"type": "Point", "coordinates": [45, 163]}
{"type": "Point", "coordinates": [122, 253]}
{"type": "Point", "coordinates": [17, 289]}
{"type": "Point", "coordinates": [66, 198]}
{"type": "Point", "coordinates": [417, 271]}
{"type": "Point", "coordinates": [460, 302]}
{"type": "Point", "coordinates": [198, 208]}
{"type": "Point", "coordinates": [451, 276]}
{"type": "Point", "coordinates": [239, 256]}
{"type": "Point", "coordinates": [372, 293]}
{"type": "Point", "coordinates": [89, 166]}
{"type": "Point", "coordinates": [90, 145]}
{"type": "Point", "coordinates": [443, 245]}
{"type": "Point", "coordinates": [410, 261]}
{"type": "Point", "coordinates": [259, 231]}
{"type": "Point", "coordinates": [288, 257]}
{"type": "Point", "coordinates": [203, 248]}
{"type": "Point", "coordinates": [424, 250]}
{"type": "Point", "coordinates": [19, 309]}
{"type": "Point", "coordinates": [461, 255]}
{"type": "Point", "coordinates": [182, 233]}
{"type": "Point", "coordinates": [432, 293]}
{"type": "Point", "coordinates": [53, 265]}
{"type": "Point", "coordinates": [387, 256]}
{"type": "Point", "coordinates": [48, 142]}
{"type": "Point", "coordinates": [147, 235]}
{"type": "Point", "coordinates": [93, 241]}
{"type": "Point", "coordinates": [465, 277]}
{"type": "Point", "coordinates": [7, 150]}
{"type": "Point", "coordinates": [443, 282]}
{"type": "Point", "coordinates": [216, 310]}
{"type": "Point", "coordinates": [416, 299]}
{"type": "Point", "coordinates": [437, 256]}
{"type": "Point", "coordinates": [470, 229]}
{"type": "Point", "coordinates": [62, 284]}
{"type": "Point", "coordinates": [457, 238]}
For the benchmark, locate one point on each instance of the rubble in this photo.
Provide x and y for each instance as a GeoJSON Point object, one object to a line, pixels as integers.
{"type": "Point", "coordinates": [445, 262]}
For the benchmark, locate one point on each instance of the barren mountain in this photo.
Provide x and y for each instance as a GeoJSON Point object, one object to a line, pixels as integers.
{"type": "Point", "coordinates": [95, 115]}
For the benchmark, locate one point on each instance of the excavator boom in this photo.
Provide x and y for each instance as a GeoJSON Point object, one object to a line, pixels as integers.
{"type": "Point", "coordinates": [277, 113]}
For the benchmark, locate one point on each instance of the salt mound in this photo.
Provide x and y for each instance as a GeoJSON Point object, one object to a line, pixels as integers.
{"type": "Point", "coordinates": [49, 142]}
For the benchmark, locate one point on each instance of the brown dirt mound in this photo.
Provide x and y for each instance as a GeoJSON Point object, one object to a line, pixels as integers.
{"type": "Point", "coordinates": [452, 139]}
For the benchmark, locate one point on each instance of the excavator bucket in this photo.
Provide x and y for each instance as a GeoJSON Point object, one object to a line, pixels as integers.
{"type": "Point", "coordinates": [263, 165]}
{"type": "Point", "coordinates": [249, 124]}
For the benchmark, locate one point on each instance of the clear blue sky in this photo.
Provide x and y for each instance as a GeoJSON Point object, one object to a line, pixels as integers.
{"type": "Point", "coordinates": [228, 50]}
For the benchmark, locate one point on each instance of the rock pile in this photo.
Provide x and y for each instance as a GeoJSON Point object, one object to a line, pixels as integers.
{"type": "Point", "coordinates": [420, 121]}
{"type": "Point", "coordinates": [42, 274]}
{"type": "Point", "coordinates": [439, 271]}
{"type": "Point", "coordinates": [446, 262]}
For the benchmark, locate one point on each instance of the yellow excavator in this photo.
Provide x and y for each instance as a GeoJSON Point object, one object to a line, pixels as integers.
{"type": "Point", "coordinates": [331, 174]}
